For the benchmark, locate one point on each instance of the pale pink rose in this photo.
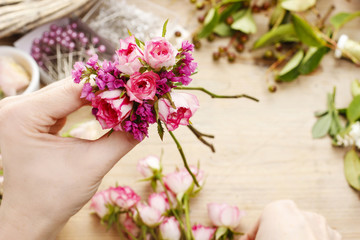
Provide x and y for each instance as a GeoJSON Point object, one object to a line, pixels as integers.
{"type": "Point", "coordinates": [159, 53]}
{"type": "Point", "coordinates": [129, 225]}
{"type": "Point", "coordinates": [124, 197]}
{"type": "Point", "coordinates": [186, 105]}
{"type": "Point", "coordinates": [224, 215]}
{"type": "Point", "coordinates": [201, 232]}
{"type": "Point", "coordinates": [148, 166]}
{"type": "Point", "coordinates": [110, 110]}
{"type": "Point", "coordinates": [128, 56]}
{"type": "Point", "coordinates": [180, 182]}
{"type": "Point", "coordinates": [150, 216]}
{"type": "Point", "coordinates": [99, 203]}
{"type": "Point", "coordinates": [170, 229]}
{"type": "Point", "coordinates": [142, 86]}
{"type": "Point", "coordinates": [159, 201]}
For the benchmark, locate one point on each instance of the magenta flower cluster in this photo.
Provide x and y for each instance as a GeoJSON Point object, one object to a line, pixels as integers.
{"type": "Point", "coordinates": [136, 89]}
{"type": "Point", "coordinates": [164, 215]}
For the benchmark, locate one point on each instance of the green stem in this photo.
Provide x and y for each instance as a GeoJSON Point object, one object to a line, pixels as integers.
{"type": "Point", "coordinates": [124, 230]}
{"type": "Point", "coordinates": [200, 136]}
{"type": "Point", "coordinates": [183, 158]}
{"type": "Point", "coordinates": [153, 233]}
{"type": "Point", "coordinates": [143, 232]}
{"type": "Point", "coordinates": [213, 95]}
{"type": "Point", "coordinates": [189, 235]}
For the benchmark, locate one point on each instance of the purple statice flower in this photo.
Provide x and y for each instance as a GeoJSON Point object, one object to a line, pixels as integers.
{"type": "Point", "coordinates": [77, 71]}
{"type": "Point", "coordinates": [146, 113]}
{"type": "Point", "coordinates": [162, 87]}
{"type": "Point", "coordinates": [138, 130]}
{"type": "Point", "coordinates": [187, 46]}
{"type": "Point", "coordinates": [168, 75]}
{"type": "Point", "coordinates": [93, 62]}
{"type": "Point", "coordinates": [185, 80]}
{"type": "Point", "coordinates": [108, 66]}
{"type": "Point", "coordinates": [186, 66]}
{"type": "Point", "coordinates": [87, 92]}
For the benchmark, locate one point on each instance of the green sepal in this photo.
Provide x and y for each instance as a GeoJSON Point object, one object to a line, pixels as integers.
{"type": "Point", "coordinates": [160, 129]}
{"type": "Point", "coordinates": [221, 231]}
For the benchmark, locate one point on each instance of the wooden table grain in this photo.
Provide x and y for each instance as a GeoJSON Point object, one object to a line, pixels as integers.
{"type": "Point", "coordinates": [264, 151]}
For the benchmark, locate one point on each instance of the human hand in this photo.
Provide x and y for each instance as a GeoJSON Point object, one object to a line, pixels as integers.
{"type": "Point", "coordinates": [49, 178]}
{"type": "Point", "coordinates": [283, 220]}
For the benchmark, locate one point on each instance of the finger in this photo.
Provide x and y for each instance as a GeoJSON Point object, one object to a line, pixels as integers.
{"type": "Point", "coordinates": [252, 234]}
{"type": "Point", "coordinates": [105, 152]}
{"type": "Point", "coordinates": [319, 226]}
{"type": "Point", "coordinates": [57, 126]}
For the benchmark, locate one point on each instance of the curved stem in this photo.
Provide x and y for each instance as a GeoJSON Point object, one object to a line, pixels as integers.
{"type": "Point", "coordinates": [183, 158]}
{"type": "Point", "coordinates": [151, 230]}
{"type": "Point", "coordinates": [213, 95]}
{"type": "Point", "coordinates": [200, 136]}
{"type": "Point", "coordinates": [187, 218]}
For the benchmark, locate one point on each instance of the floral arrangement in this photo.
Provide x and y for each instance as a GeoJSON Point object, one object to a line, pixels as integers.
{"type": "Point", "coordinates": [294, 45]}
{"type": "Point", "coordinates": [347, 136]}
{"type": "Point", "coordinates": [165, 214]}
{"type": "Point", "coordinates": [140, 86]}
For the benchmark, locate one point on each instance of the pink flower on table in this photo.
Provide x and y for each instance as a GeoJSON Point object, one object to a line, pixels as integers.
{"type": "Point", "coordinates": [124, 197]}
{"type": "Point", "coordinates": [148, 166]}
{"type": "Point", "coordinates": [170, 229]}
{"type": "Point", "coordinates": [224, 215]}
{"type": "Point", "coordinates": [128, 56]}
{"type": "Point", "coordinates": [110, 110]}
{"type": "Point", "coordinates": [150, 216]}
{"type": "Point", "coordinates": [159, 53]}
{"type": "Point", "coordinates": [180, 182]}
{"type": "Point", "coordinates": [99, 203]}
{"type": "Point", "coordinates": [201, 232]}
{"type": "Point", "coordinates": [142, 86]}
{"type": "Point", "coordinates": [130, 225]}
{"type": "Point", "coordinates": [186, 105]}
{"type": "Point", "coordinates": [159, 201]}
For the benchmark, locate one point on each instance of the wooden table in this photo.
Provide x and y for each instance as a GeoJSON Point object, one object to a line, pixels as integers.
{"type": "Point", "coordinates": [264, 151]}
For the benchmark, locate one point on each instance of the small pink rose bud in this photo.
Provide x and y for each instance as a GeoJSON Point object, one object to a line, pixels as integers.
{"type": "Point", "coordinates": [99, 203]}
{"type": "Point", "coordinates": [124, 197]}
{"type": "Point", "coordinates": [148, 166]}
{"type": "Point", "coordinates": [224, 215]}
{"type": "Point", "coordinates": [129, 225]}
{"type": "Point", "coordinates": [159, 201]}
{"type": "Point", "coordinates": [201, 232]}
{"type": "Point", "coordinates": [170, 229]}
{"type": "Point", "coordinates": [180, 182]}
{"type": "Point", "coordinates": [186, 105]}
{"type": "Point", "coordinates": [150, 216]}
{"type": "Point", "coordinates": [159, 53]}
{"type": "Point", "coordinates": [128, 56]}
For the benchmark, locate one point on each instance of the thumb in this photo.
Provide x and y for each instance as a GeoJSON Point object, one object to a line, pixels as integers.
{"type": "Point", "coordinates": [105, 152]}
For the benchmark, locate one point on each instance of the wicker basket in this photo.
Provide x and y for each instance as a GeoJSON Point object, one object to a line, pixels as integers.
{"type": "Point", "coordinates": [19, 16]}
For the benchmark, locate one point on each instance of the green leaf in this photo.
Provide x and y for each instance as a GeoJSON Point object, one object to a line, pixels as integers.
{"type": "Point", "coordinates": [164, 28]}
{"type": "Point", "coordinates": [353, 111]}
{"type": "Point", "coordinates": [312, 59]}
{"type": "Point", "coordinates": [1, 172]}
{"type": "Point", "coordinates": [297, 5]}
{"type": "Point", "coordinates": [211, 20]}
{"type": "Point", "coordinates": [283, 33]}
{"type": "Point", "coordinates": [229, 10]}
{"type": "Point", "coordinates": [355, 87]}
{"type": "Point", "coordinates": [322, 126]}
{"type": "Point", "coordinates": [341, 18]}
{"type": "Point", "coordinates": [306, 33]}
{"type": "Point", "coordinates": [290, 70]}
{"type": "Point", "coordinates": [278, 15]}
{"type": "Point", "coordinates": [245, 23]}
{"type": "Point", "coordinates": [221, 231]}
{"type": "Point", "coordinates": [160, 129]}
{"type": "Point", "coordinates": [352, 169]}
{"type": "Point", "coordinates": [223, 30]}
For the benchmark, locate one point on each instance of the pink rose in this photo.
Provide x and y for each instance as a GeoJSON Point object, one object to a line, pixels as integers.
{"type": "Point", "coordinates": [224, 215]}
{"type": "Point", "coordinates": [201, 232]}
{"type": "Point", "coordinates": [128, 56]}
{"type": "Point", "coordinates": [129, 225]}
{"type": "Point", "coordinates": [142, 86]}
{"type": "Point", "coordinates": [180, 182]}
{"type": "Point", "coordinates": [186, 105]}
{"type": "Point", "coordinates": [110, 110]}
{"type": "Point", "coordinates": [170, 229]}
{"type": "Point", "coordinates": [159, 201]}
{"type": "Point", "coordinates": [148, 166]}
{"type": "Point", "coordinates": [99, 202]}
{"type": "Point", "coordinates": [160, 53]}
{"type": "Point", "coordinates": [150, 216]}
{"type": "Point", "coordinates": [124, 197]}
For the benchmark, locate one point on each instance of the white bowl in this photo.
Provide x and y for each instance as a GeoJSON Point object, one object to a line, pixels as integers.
{"type": "Point", "coordinates": [27, 62]}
